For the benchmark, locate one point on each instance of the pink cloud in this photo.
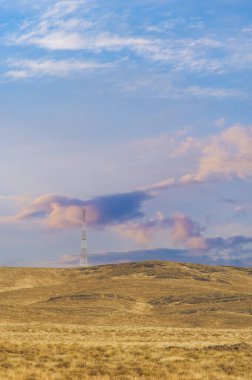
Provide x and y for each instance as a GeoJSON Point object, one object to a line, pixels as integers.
{"type": "Point", "coordinates": [240, 210]}
{"type": "Point", "coordinates": [185, 232]}
{"type": "Point", "coordinates": [225, 155]}
{"type": "Point", "coordinates": [63, 212]}
{"type": "Point", "coordinates": [188, 145]}
{"type": "Point", "coordinates": [142, 232]}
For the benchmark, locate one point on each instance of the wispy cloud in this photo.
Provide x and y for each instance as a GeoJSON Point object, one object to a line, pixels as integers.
{"type": "Point", "coordinates": [18, 199]}
{"type": "Point", "coordinates": [163, 86]}
{"type": "Point", "coordinates": [61, 33]}
{"type": "Point", "coordinates": [37, 68]}
{"type": "Point", "coordinates": [214, 92]}
{"type": "Point", "coordinates": [80, 26]}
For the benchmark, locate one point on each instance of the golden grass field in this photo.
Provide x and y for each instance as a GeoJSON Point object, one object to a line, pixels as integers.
{"type": "Point", "coordinates": [150, 320]}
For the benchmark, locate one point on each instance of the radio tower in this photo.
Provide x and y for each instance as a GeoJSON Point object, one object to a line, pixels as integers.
{"type": "Point", "coordinates": [84, 252]}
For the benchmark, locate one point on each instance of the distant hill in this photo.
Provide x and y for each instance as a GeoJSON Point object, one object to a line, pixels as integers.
{"type": "Point", "coordinates": [161, 293]}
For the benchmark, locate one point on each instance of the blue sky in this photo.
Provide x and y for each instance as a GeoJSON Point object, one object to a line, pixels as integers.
{"type": "Point", "coordinates": [139, 111]}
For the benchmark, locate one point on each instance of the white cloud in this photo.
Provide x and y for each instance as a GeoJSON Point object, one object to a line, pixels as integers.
{"type": "Point", "coordinates": [215, 92]}
{"type": "Point", "coordinates": [220, 122]}
{"type": "Point", "coordinates": [63, 8]}
{"type": "Point", "coordinates": [29, 68]}
{"type": "Point", "coordinates": [163, 86]}
{"type": "Point", "coordinates": [78, 25]}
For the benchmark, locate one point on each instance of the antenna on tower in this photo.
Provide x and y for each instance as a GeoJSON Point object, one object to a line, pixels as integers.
{"type": "Point", "coordinates": [84, 251]}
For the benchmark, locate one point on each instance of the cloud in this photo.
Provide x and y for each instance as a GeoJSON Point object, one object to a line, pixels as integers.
{"type": "Point", "coordinates": [63, 8]}
{"type": "Point", "coordinates": [121, 214]}
{"type": "Point", "coordinates": [68, 25]}
{"type": "Point", "coordinates": [186, 232]}
{"type": "Point", "coordinates": [116, 212]}
{"type": "Point", "coordinates": [227, 155]}
{"type": "Point", "coordinates": [234, 242]}
{"type": "Point", "coordinates": [163, 86]}
{"type": "Point", "coordinates": [122, 257]}
{"type": "Point", "coordinates": [240, 210]}
{"type": "Point", "coordinates": [222, 156]}
{"type": "Point", "coordinates": [62, 40]}
{"type": "Point", "coordinates": [243, 258]}
{"type": "Point", "coordinates": [142, 232]}
{"type": "Point", "coordinates": [183, 231]}
{"type": "Point", "coordinates": [95, 27]}
{"type": "Point", "coordinates": [235, 247]}
{"type": "Point", "coordinates": [62, 212]}
{"type": "Point", "coordinates": [31, 68]}
{"type": "Point", "coordinates": [186, 146]}
{"type": "Point", "coordinates": [184, 181]}
{"type": "Point", "coordinates": [119, 207]}
{"type": "Point", "coordinates": [220, 122]}
{"type": "Point", "coordinates": [160, 186]}
{"type": "Point", "coordinates": [64, 33]}
{"type": "Point", "coordinates": [214, 92]}
{"type": "Point", "coordinates": [18, 199]}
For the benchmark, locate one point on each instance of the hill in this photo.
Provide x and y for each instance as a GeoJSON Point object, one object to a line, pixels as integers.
{"type": "Point", "coordinates": [148, 320]}
{"type": "Point", "coordinates": [152, 293]}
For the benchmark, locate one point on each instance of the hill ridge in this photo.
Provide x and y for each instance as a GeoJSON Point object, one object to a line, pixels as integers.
{"type": "Point", "coordinates": [144, 293]}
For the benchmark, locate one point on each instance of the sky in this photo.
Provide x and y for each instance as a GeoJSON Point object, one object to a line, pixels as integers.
{"type": "Point", "coordinates": [137, 111]}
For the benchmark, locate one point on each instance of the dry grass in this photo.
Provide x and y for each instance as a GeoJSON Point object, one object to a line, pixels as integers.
{"type": "Point", "coordinates": [143, 294]}
{"type": "Point", "coordinates": [46, 351]}
{"type": "Point", "coordinates": [130, 321]}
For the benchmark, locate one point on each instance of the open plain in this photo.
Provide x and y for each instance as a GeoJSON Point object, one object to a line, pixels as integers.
{"type": "Point", "coordinates": [149, 320]}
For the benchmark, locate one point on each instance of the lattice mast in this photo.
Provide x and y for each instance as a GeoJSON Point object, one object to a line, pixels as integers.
{"type": "Point", "coordinates": [84, 251]}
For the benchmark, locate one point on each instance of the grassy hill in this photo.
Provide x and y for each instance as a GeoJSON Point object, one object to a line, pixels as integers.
{"type": "Point", "coordinates": [149, 320]}
{"type": "Point", "coordinates": [133, 294]}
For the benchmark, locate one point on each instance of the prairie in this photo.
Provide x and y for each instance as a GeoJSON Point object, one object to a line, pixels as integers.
{"type": "Point", "coordinates": [150, 320]}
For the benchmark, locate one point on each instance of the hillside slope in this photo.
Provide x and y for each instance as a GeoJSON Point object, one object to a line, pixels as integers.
{"type": "Point", "coordinates": [133, 294]}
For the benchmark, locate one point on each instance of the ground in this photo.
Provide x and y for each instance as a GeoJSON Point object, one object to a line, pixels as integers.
{"type": "Point", "coordinates": [150, 320]}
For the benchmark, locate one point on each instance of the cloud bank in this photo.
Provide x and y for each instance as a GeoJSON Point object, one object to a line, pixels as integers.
{"type": "Point", "coordinates": [223, 156]}
{"type": "Point", "coordinates": [178, 255]}
{"type": "Point", "coordinates": [62, 212]}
